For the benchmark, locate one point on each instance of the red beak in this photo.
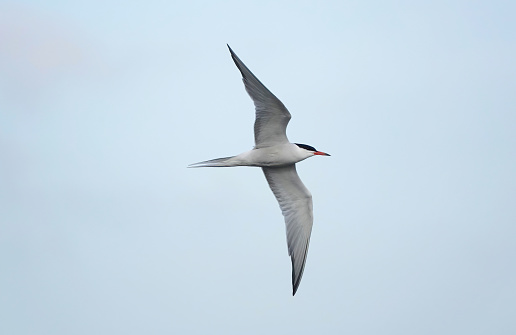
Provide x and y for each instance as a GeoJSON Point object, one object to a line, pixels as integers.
{"type": "Point", "coordinates": [321, 153]}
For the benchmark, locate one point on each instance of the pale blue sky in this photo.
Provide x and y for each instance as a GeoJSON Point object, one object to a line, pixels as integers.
{"type": "Point", "coordinates": [103, 229]}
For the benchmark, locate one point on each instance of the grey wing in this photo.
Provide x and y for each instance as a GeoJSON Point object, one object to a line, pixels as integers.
{"type": "Point", "coordinates": [296, 204]}
{"type": "Point", "coordinates": [272, 116]}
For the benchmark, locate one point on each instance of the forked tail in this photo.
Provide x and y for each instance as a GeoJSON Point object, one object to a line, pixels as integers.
{"type": "Point", "coordinates": [217, 162]}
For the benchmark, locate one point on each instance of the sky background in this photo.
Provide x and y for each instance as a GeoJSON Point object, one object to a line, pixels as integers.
{"type": "Point", "coordinates": [103, 229]}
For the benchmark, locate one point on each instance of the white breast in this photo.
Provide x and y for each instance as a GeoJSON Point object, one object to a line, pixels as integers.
{"type": "Point", "coordinates": [277, 155]}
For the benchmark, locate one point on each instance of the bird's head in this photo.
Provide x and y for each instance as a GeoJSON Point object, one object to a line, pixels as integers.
{"type": "Point", "coordinates": [311, 149]}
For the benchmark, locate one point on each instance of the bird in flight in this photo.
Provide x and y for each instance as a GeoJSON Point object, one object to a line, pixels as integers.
{"type": "Point", "coordinates": [277, 157]}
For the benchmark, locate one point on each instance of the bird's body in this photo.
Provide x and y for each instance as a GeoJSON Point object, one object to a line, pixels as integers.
{"type": "Point", "coordinates": [277, 158]}
{"type": "Point", "coordinates": [276, 155]}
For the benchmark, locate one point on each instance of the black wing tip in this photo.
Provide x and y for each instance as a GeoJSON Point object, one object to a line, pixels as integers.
{"type": "Point", "coordinates": [296, 280]}
{"type": "Point", "coordinates": [294, 290]}
{"type": "Point", "coordinates": [241, 67]}
{"type": "Point", "coordinates": [231, 51]}
{"type": "Point", "coordinates": [295, 283]}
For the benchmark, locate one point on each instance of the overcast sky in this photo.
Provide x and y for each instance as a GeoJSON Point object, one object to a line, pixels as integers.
{"type": "Point", "coordinates": [103, 229]}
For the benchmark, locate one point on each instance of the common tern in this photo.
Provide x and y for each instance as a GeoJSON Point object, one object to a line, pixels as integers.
{"type": "Point", "coordinates": [277, 157]}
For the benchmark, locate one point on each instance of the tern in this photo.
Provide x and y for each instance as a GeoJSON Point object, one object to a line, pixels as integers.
{"type": "Point", "coordinates": [277, 157]}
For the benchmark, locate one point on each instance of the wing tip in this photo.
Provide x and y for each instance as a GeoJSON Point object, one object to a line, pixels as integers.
{"type": "Point", "coordinates": [296, 278]}
{"type": "Point", "coordinates": [240, 65]}
{"type": "Point", "coordinates": [233, 55]}
{"type": "Point", "coordinates": [294, 289]}
{"type": "Point", "coordinates": [296, 281]}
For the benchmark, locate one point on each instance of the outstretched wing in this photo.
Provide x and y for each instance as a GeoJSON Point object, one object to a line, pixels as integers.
{"type": "Point", "coordinates": [296, 204]}
{"type": "Point", "coordinates": [272, 117]}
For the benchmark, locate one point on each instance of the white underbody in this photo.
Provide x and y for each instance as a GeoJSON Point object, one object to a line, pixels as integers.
{"type": "Point", "coordinates": [271, 156]}
{"type": "Point", "coordinates": [277, 155]}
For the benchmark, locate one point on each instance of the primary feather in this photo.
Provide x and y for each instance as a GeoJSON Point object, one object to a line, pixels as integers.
{"type": "Point", "coordinates": [272, 117]}
{"type": "Point", "coordinates": [296, 205]}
